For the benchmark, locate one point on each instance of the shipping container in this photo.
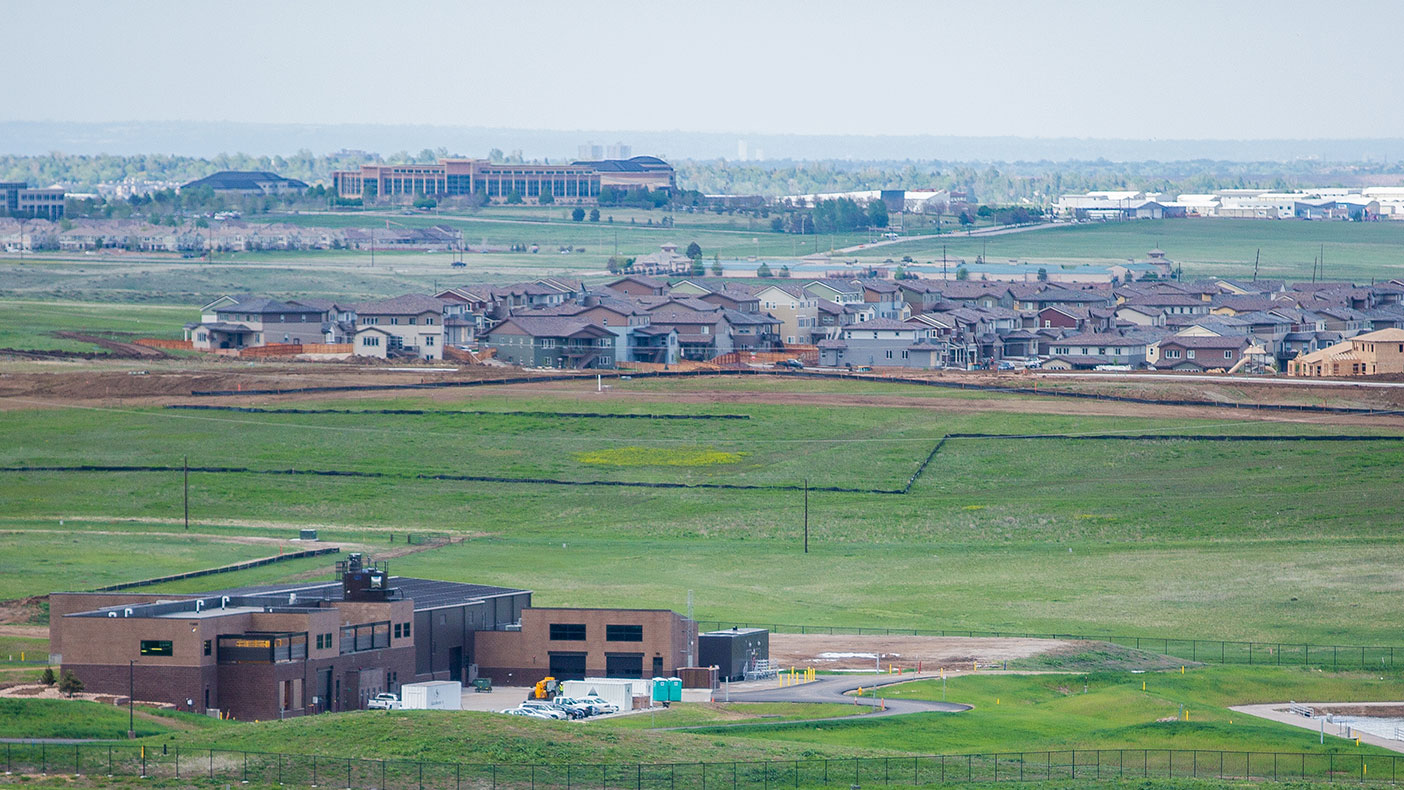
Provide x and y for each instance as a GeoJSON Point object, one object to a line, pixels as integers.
{"type": "Point", "coordinates": [432, 695]}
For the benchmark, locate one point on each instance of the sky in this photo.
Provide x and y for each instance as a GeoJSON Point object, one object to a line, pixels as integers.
{"type": "Point", "coordinates": [1177, 70]}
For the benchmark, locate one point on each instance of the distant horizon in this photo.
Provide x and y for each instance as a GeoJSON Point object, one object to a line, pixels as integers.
{"type": "Point", "coordinates": [212, 138]}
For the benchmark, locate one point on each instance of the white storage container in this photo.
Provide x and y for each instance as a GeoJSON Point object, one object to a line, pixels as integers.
{"type": "Point", "coordinates": [432, 695]}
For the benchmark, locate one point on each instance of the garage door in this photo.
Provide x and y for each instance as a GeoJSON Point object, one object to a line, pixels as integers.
{"type": "Point", "coordinates": [623, 665]}
{"type": "Point", "coordinates": [568, 666]}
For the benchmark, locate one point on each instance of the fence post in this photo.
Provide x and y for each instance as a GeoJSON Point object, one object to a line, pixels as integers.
{"type": "Point", "coordinates": [314, 770]}
{"type": "Point", "coordinates": [78, 764]}
{"type": "Point", "coordinates": [421, 775]}
{"type": "Point", "coordinates": [177, 756]}
{"type": "Point", "coordinates": [1074, 763]}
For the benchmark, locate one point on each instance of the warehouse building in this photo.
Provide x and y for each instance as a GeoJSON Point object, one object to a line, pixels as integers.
{"type": "Point", "coordinates": [292, 650]}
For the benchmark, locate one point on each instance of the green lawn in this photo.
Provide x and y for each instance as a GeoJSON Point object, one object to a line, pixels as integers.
{"type": "Point", "coordinates": [13, 649]}
{"type": "Point", "coordinates": [52, 718]}
{"type": "Point", "coordinates": [695, 714]}
{"type": "Point", "coordinates": [1205, 247]}
{"type": "Point", "coordinates": [30, 324]}
{"type": "Point", "coordinates": [1209, 540]}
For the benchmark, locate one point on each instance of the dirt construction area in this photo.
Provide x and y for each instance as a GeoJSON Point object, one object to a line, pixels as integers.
{"type": "Point", "coordinates": [850, 652]}
{"type": "Point", "coordinates": [120, 383]}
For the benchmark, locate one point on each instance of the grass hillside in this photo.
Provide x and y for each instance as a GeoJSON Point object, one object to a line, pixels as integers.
{"type": "Point", "coordinates": [1242, 540]}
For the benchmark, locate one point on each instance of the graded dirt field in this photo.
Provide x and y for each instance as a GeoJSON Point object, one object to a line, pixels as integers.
{"type": "Point", "coordinates": [861, 652]}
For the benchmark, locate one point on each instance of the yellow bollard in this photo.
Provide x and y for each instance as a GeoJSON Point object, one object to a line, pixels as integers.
{"type": "Point", "coordinates": [974, 667]}
{"type": "Point", "coordinates": [1182, 670]}
{"type": "Point", "coordinates": [1143, 685]}
{"type": "Point", "coordinates": [996, 700]}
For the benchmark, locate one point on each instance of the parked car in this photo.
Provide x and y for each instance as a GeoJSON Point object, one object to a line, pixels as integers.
{"type": "Point", "coordinates": [597, 705]}
{"type": "Point", "coordinates": [794, 364]}
{"type": "Point", "coordinates": [383, 702]}
{"type": "Point", "coordinates": [528, 712]}
{"type": "Point", "coordinates": [545, 708]}
{"type": "Point", "coordinates": [572, 708]}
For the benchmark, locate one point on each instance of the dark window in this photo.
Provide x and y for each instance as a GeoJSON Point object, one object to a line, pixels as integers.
{"type": "Point", "coordinates": [207, 647]}
{"type": "Point", "coordinates": [568, 632]}
{"type": "Point", "coordinates": [156, 647]}
{"type": "Point", "coordinates": [657, 666]}
{"type": "Point", "coordinates": [397, 630]}
{"type": "Point", "coordinates": [407, 630]}
{"type": "Point", "coordinates": [623, 633]}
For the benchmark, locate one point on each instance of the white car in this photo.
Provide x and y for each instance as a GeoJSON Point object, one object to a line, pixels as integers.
{"type": "Point", "coordinates": [383, 702]}
{"type": "Point", "coordinates": [597, 705]}
{"type": "Point", "coordinates": [532, 713]}
{"type": "Point", "coordinates": [545, 708]}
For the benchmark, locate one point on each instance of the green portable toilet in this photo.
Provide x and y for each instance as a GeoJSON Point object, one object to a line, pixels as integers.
{"type": "Point", "coordinates": [660, 689]}
{"type": "Point", "coordinates": [675, 689]}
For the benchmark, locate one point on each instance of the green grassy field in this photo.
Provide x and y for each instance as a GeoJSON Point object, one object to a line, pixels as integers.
{"type": "Point", "coordinates": [62, 718]}
{"type": "Point", "coordinates": [28, 324]}
{"type": "Point", "coordinates": [1205, 247]}
{"type": "Point", "coordinates": [1228, 541]}
{"type": "Point", "coordinates": [1103, 711]}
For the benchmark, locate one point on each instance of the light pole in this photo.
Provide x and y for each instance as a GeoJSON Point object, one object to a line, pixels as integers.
{"type": "Point", "coordinates": [131, 691]}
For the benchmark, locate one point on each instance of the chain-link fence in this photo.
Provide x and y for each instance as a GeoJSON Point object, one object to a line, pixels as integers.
{"type": "Point", "coordinates": [307, 770]}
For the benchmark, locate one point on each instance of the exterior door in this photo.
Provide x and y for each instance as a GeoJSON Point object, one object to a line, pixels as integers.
{"type": "Point", "coordinates": [624, 665]}
{"type": "Point", "coordinates": [567, 666]}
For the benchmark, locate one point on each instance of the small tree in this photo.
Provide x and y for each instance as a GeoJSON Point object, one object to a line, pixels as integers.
{"type": "Point", "coordinates": [784, 270]}
{"type": "Point", "coordinates": [763, 271]}
{"type": "Point", "coordinates": [69, 684]}
{"type": "Point", "coordinates": [613, 265]}
{"type": "Point", "coordinates": [1042, 275]}
{"type": "Point", "coordinates": [578, 214]}
{"type": "Point", "coordinates": [965, 220]}
{"type": "Point", "coordinates": [546, 198]}
{"type": "Point", "coordinates": [877, 214]}
{"type": "Point", "coordinates": [962, 273]}
{"type": "Point", "coordinates": [514, 198]}
{"type": "Point", "coordinates": [47, 676]}
{"type": "Point", "coordinates": [694, 251]}
{"type": "Point", "coordinates": [717, 270]}
{"type": "Point", "coordinates": [698, 268]}
{"type": "Point", "coordinates": [594, 215]}
{"type": "Point", "coordinates": [424, 201]}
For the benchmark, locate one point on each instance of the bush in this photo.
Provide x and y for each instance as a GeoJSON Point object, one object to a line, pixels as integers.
{"type": "Point", "coordinates": [47, 676]}
{"type": "Point", "coordinates": [578, 215]}
{"type": "Point", "coordinates": [69, 684]}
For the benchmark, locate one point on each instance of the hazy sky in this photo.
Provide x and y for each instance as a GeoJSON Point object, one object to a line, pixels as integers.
{"type": "Point", "coordinates": [1174, 69]}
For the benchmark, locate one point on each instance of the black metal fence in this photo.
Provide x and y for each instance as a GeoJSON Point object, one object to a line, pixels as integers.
{"type": "Point", "coordinates": [309, 770]}
{"type": "Point", "coordinates": [1210, 651]}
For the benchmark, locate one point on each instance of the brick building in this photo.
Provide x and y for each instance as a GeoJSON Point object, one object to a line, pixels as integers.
{"type": "Point", "coordinates": [282, 651]}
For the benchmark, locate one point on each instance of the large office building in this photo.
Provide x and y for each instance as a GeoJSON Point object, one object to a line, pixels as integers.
{"type": "Point", "coordinates": [18, 200]}
{"type": "Point", "coordinates": [573, 184]}
{"type": "Point", "coordinates": [282, 651]}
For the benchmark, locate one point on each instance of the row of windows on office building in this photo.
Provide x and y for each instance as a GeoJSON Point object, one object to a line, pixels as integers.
{"type": "Point", "coordinates": [576, 632]}
{"type": "Point", "coordinates": [495, 187]}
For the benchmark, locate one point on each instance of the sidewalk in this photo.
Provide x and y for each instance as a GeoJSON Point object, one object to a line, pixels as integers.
{"type": "Point", "coordinates": [1277, 711]}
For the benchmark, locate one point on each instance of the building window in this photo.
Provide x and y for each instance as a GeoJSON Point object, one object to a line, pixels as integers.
{"type": "Point", "coordinates": [623, 633]}
{"type": "Point", "coordinates": [567, 632]}
{"type": "Point", "coordinates": [156, 647]}
{"type": "Point", "coordinates": [208, 647]}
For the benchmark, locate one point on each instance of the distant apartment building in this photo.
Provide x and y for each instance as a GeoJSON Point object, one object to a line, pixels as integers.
{"type": "Point", "coordinates": [576, 183]}
{"type": "Point", "coordinates": [19, 200]}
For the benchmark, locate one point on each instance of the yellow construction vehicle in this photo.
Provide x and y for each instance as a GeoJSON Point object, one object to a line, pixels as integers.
{"type": "Point", "coordinates": [547, 688]}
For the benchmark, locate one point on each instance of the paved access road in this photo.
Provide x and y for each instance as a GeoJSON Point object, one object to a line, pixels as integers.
{"type": "Point", "coordinates": [834, 689]}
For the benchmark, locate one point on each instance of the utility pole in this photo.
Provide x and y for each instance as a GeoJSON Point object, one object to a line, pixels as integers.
{"type": "Point", "coordinates": [806, 515]}
{"type": "Point", "coordinates": [185, 468]}
{"type": "Point", "coordinates": [1256, 257]}
{"type": "Point", "coordinates": [131, 691]}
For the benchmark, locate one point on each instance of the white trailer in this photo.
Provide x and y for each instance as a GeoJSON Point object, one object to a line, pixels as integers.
{"type": "Point", "coordinates": [432, 695]}
{"type": "Point", "coordinates": [615, 691]}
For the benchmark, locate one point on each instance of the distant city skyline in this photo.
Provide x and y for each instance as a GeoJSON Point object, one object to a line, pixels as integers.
{"type": "Point", "coordinates": [1190, 70]}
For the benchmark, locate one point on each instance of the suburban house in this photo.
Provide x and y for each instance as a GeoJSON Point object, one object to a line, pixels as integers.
{"type": "Point", "coordinates": [797, 310]}
{"type": "Point", "coordinates": [1198, 353]}
{"type": "Point", "coordinates": [552, 342]}
{"type": "Point", "coordinates": [1369, 354]}
{"type": "Point", "coordinates": [637, 285]}
{"type": "Point", "coordinates": [408, 325]}
{"type": "Point", "coordinates": [1086, 351]}
{"type": "Point", "coordinates": [881, 341]}
{"type": "Point", "coordinates": [255, 322]}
